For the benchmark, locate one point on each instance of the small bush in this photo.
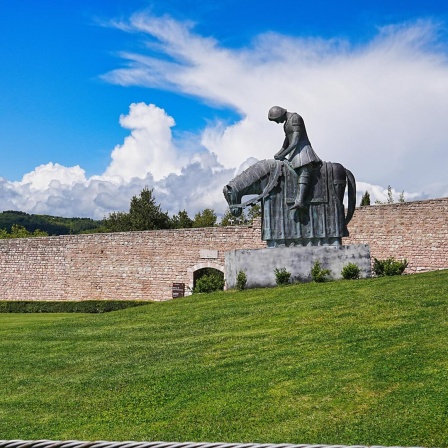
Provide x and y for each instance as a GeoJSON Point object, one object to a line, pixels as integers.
{"type": "Point", "coordinates": [350, 272]}
{"type": "Point", "coordinates": [213, 280]}
{"type": "Point", "coordinates": [318, 274]}
{"type": "Point", "coordinates": [85, 306]}
{"type": "Point", "coordinates": [282, 276]}
{"type": "Point", "coordinates": [241, 281]}
{"type": "Point", "coordinates": [389, 267]}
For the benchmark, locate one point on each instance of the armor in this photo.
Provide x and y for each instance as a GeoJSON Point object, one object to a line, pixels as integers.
{"type": "Point", "coordinates": [298, 147]}
{"type": "Point", "coordinates": [303, 153]}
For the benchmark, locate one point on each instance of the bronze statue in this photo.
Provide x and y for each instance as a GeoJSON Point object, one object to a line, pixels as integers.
{"type": "Point", "coordinates": [298, 146]}
{"type": "Point", "coordinates": [301, 197]}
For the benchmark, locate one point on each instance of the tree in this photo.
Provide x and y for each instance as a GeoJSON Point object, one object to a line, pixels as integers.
{"type": "Point", "coordinates": [144, 214]}
{"type": "Point", "coordinates": [254, 212]}
{"type": "Point", "coordinates": [390, 197]}
{"type": "Point", "coordinates": [229, 220]}
{"type": "Point", "coordinates": [181, 220]}
{"type": "Point", "coordinates": [18, 231]}
{"type": "Point", "coordinates": [206, 218]}
{"type": "Point", "coordinates": [365, 199]}
{"type": "Point", "coordinates": [117, 222]}
{"type": "Point", "coordinates": [52, 225]}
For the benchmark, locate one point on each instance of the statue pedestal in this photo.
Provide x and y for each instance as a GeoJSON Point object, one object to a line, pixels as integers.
{"type": "Point", "coordinates": [259, 264]}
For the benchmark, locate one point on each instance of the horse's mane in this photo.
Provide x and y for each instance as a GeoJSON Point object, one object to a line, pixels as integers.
{"type": "Point", "coordinates": [260, 170]}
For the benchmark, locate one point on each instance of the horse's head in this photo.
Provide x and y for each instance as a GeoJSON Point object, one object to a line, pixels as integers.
{"type": "Point", "coordinates": [232, 199]}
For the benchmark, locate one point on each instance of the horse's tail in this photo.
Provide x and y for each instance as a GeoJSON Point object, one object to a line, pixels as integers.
{"type": "Point", "coordinates": [351, 192]}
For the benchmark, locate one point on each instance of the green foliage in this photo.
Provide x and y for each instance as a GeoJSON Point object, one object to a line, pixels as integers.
{"type": "Point", "coordinates": [241, 280]}
{"type": "Point", "coordinates": [206, 218]}
{"type": "Point", "coordinates": [325, 363]}
{"type": "Point", "coordinates": [18, 231]}
{"type": "Point", "coordinates": [390, 197]}
{"type": "Point", "coordinates": [210, 280]}
{"type": "Point", "coordinates": [181, 220]}
{"type": "Point", "coordinates": [282, 276]}
{"type": "Point", "coordinates": [318, 274]}
{"type": "Point", "coordinates": [365, 199]}
{"type": "Point", "coordinates": [229, 220]}
{"type": "Point", "coordinates": [389, 267]}
{"type": "Point", "coordinates": [350, 271]}
{"type": "Point", "coordinates": [117, 222]}
{"type": "Point", "coordinates": [52, 225]}
{"type": "Point", "coordinates": [85, 306]}
{"type": "Point", "coordinates": [144, 214]}
{"type": "Point", "coordinates": [254, 212]}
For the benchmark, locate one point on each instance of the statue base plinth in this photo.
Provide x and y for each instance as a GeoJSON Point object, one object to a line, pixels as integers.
{"type": "Point", "coordinates": [259, 264]}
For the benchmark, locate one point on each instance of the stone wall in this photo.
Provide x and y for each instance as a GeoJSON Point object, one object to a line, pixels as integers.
{"type": "Point", "coordinates": [131, 265]}
{"type": "Point", "coordinates": [144, 265]}
{"type": "Point", "coordinates": [417, 231]}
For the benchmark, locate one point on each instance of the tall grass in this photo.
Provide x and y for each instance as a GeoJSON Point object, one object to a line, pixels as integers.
{"type": "Point", "coordinates": [347, 362]}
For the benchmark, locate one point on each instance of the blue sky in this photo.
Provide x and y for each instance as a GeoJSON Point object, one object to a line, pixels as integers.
{"type": "Point", "coordinates": [369, 78]}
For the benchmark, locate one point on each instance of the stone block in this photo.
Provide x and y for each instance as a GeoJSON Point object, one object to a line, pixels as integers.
{"type": "Point", "coordinates": [259, 264]}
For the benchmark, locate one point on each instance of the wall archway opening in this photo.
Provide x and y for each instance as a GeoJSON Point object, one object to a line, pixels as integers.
{"type": "Point", "coordinates": [208, 279]}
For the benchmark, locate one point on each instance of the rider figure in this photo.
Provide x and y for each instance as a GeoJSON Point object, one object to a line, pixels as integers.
{"type": "Point", "coordinates": [302, 156]}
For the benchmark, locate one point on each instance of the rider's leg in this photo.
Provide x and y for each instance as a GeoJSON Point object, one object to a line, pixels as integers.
{"type": "Point", "coordinates": [304, 180]}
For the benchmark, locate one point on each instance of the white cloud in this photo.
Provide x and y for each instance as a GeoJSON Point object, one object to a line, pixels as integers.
{"type": "Point", "coordinates": [44, 176]}
{"type": "Point", "coordinates": [381, 194]}
{"type": "Point", "coordinates": [147, 157]}
{"type": "Point", "coordinates": [149, 148]}
{"type": "Point", "coordinates": [379, 109]}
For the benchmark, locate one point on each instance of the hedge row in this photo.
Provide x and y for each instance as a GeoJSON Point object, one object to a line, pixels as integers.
{"type": "Point", "coordinates": [87, 306]}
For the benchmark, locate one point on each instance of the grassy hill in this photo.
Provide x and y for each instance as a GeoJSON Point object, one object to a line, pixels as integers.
{"type": "Point", "coordinates": [53, 225]}
{"type": "Point", "coordinates": [348, 362]}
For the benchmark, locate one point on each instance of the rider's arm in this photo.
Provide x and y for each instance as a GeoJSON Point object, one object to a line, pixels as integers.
{"type": "Point", "coordinates": [285, 150]}
{"type": "Point", "coordinates": [294, 124]}
{"type": "Point", "coordinates": [285, 145]}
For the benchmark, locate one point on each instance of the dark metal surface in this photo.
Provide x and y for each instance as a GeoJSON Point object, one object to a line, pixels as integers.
{"type": "Point", "coordinates": [301, 197]}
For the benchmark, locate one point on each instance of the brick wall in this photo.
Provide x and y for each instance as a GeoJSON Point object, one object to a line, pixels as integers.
{"type": "Point", "coordinates": [417, 231]}
{"type": "Point", "coordinates": [131, 265]}
{"type": "Point", "coordinates": [144, 265]}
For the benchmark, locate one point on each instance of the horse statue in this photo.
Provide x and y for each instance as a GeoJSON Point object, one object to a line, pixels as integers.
{"type": "Point", "coordinates": [323, 221]}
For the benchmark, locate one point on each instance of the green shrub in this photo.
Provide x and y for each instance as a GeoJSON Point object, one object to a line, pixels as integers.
{"type": "Point", "coordinates": [365, 199]}
{"type": "Point", "coordinates": [318, 274]}
{"type": "Point", "coordinates": [389, 267]}
{"type": "Point", "coordinates": [241, 280]}
{"type": "Point", "coordinates": [351, 272]}
{"type": "Point", "coordinates": [282, 276]}
{"type": "Point", "coordinates": [85, 306]}
{"type": "Point", "coordinates": [212, 280]}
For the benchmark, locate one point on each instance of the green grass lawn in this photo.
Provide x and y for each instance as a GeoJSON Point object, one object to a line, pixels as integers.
{"type": "Point", "coordinates": [347, 362]}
